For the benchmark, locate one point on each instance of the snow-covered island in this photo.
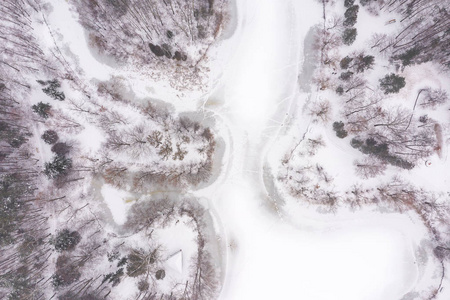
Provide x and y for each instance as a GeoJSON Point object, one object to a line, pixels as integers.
{"type": "Point", "coordinates": [224, 149]}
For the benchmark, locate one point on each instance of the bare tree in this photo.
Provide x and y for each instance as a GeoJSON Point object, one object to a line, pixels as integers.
{"type": "Point", "coordinates": [369, 167]}
{"type": "Point", "coordinates": [433, 97]}
{"type": "Point", "coordinates": [321, 111]}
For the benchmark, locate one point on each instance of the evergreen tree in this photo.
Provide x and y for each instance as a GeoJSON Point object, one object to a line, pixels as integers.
{"type": "Point", "coordinates": [59, 166]}
{"type": "Point", "coordinates": [348, 3]}
{"type": "Point", "coordinates": [392, 83]}
{"type": "Point", "coordinates": [345, 62]}
{"type": "Point", "coordinates": [50, 137]}
{"type": "Point", "coordinates": [338, 127]}
{"type": "Point", "coordinates": [42, 109]}
{"type": "Point", "coordinates": [351, 15]}
{"type": "Point", "coordinates": [346, 75]}
{"type": "Point", "coordinates": [349, 36]}
{"type": "Point", "coordinates": [363, 63]}
{"type": "Point", "coordinates": [66, 240]}
{"type": "Point", "coordinates": [51, 89]}
{"type": "Point", "coordinates": [407, 58]}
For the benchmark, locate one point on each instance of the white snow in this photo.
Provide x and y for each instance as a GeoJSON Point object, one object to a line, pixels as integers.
{"type": "Point", "coordinates": [175, 262]}
{"type": "Point", "coordinates": [70, 36]}
{"type": "Point", "coordinates": [118, 201]}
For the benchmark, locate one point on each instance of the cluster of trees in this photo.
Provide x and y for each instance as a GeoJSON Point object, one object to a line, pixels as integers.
{"type": "Point", "coordinates": [24, 247]}
{"type": "Point", "coordinates": [423, 35]}
{"type": "Point", "coordinates": [166, 149]}
{"type": "Point", "coordinates": [387, 134]}
{"type": "Point", "coordinates": [147, 265]}
{"type": "Point", "coordinates": [153, 32]}
{"type": "Point", "coordinates": [24, 239]}
{"type": "Point", "coordinates": [351, 16]}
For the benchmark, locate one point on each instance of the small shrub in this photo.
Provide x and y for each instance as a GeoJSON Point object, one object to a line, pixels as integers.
{"type": "Point", "coordinates": [423, 119]}
{"type": "Point", "coordinates": [50, 137]}
{"type": "Point", "coordinates": [143, 285]}
{"type": "Point", "coordinates": [340, 90]}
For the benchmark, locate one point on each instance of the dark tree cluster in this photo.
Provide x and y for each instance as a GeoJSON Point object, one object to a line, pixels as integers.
{"type": "Point", "coordinates": [381, 151]}
{"type": "Point", "coordinates": [66, 240]}
{"type": "Point", "coordinates": [392, 83]}
{"type": "Point", "coordinates": [349, 36]}
{"type": "Point", "coordinates": [67, 272]}
{"type": "Point", "coordinates": [50, 137]}
{"type": "Point", "coordinates": [59, 166]}
{"type": "Point", "coordinates": [350, 18]}
{"type": "Point", "coordinates": [359, 63]}
{"type": "Point", "coordinates": [23, 223]}
{"type": "Point", "coordinates": [338, 127]}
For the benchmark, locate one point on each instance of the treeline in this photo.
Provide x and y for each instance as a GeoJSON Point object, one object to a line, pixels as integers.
{"type": "Point", "coordinates": [24, 238]}
{"type": "Point", "coordinates": [24, 246]}
{"type": "Point", "coordinates": [424, 34]}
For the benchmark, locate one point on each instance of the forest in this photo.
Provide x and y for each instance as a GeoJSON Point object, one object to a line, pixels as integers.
{"type": "Point", "coordinates": [54, 226]}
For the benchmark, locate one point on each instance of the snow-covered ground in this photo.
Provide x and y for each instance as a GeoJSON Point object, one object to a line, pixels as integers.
{"type": "Point", "coordinates": [269, 255]}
